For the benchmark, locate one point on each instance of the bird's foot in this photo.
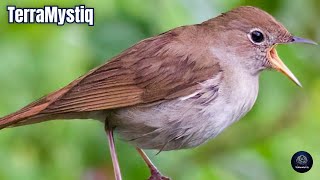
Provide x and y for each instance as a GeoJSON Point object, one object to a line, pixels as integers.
{"type": "Point", "coordinates": [156, 175]}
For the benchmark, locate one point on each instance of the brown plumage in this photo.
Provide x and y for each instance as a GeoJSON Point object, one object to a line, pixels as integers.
{"type": "Point", "coordinates": [175, 90]}
{"type": "Point", "coordinates": [152, 70]}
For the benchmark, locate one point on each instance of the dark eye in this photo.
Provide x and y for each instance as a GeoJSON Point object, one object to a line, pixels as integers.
{"type": "Point", "coordinates": [257, 36]}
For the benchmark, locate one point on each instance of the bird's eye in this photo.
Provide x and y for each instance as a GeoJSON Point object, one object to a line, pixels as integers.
{"type": "Point", "coordinates": [256, 36]}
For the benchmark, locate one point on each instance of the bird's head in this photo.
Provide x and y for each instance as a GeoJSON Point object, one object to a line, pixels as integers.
{"type": "Point", "coordinates": [253, 34]}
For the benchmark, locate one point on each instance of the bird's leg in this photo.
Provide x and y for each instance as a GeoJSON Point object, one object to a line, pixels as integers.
{"type": "Point", "coordinates": [155, 174]}
{"type": "Point", "coordinates": [113, 153]}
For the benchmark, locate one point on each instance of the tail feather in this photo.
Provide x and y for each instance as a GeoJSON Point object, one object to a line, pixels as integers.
{"type": "Point", "coordinates": [28, 112]}
{"type": "Point", "coordinates": [32, 111]}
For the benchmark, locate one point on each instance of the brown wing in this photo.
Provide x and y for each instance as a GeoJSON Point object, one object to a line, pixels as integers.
{"type": "Point", "coordinates": [159, 68]}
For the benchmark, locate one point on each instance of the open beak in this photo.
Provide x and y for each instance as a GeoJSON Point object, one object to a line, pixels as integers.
{"type": "Point", "coordinates": [277, 63]}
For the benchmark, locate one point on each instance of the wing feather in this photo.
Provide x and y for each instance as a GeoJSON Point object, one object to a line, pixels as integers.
{"type": "Point", "coordinates": [163, 67]}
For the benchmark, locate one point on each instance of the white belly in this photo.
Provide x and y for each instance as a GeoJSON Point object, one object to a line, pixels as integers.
{"type": "Point", "coordinates": [186, 122]}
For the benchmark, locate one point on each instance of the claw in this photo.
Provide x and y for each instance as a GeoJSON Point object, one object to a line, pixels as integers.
{"type": "Point", "coordinates": [156, 175]}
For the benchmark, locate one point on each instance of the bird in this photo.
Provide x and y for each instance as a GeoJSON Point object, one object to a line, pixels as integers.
{"type": "Point", "coordinates": [175, 90]}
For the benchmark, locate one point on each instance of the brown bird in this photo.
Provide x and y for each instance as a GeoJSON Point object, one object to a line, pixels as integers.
{"type": "Point", "coordinates": [175, 90]}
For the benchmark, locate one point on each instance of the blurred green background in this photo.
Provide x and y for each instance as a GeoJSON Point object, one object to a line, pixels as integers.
{"type": "Point", "coordinates": [37, 59]}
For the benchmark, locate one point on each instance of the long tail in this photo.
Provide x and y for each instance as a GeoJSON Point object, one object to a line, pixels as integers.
{"type": "Point", "coordinates": [29, 112]}
{"type": "Point", "coordinates": [32, 113]}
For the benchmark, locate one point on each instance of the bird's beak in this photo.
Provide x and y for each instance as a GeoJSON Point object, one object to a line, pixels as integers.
{"type": "Point", "coordinates": [296, 39]}
{"type": "Point", "coordinates": [277, 63]}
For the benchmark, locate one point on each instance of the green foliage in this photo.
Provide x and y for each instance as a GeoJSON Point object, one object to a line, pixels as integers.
{"type": "Point", "coordinates": [37, 59]}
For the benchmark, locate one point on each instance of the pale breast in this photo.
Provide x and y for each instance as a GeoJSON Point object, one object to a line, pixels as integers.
{"type": "Point", "coordinates": [188, 121]}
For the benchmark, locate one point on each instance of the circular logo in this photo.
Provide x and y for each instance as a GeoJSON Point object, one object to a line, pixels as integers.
{"type": "Point", "coordinates": [301, 161]}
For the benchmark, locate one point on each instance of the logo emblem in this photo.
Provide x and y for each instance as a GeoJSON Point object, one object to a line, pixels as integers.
{"type": "Point", "coordinates": [301, 161]}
